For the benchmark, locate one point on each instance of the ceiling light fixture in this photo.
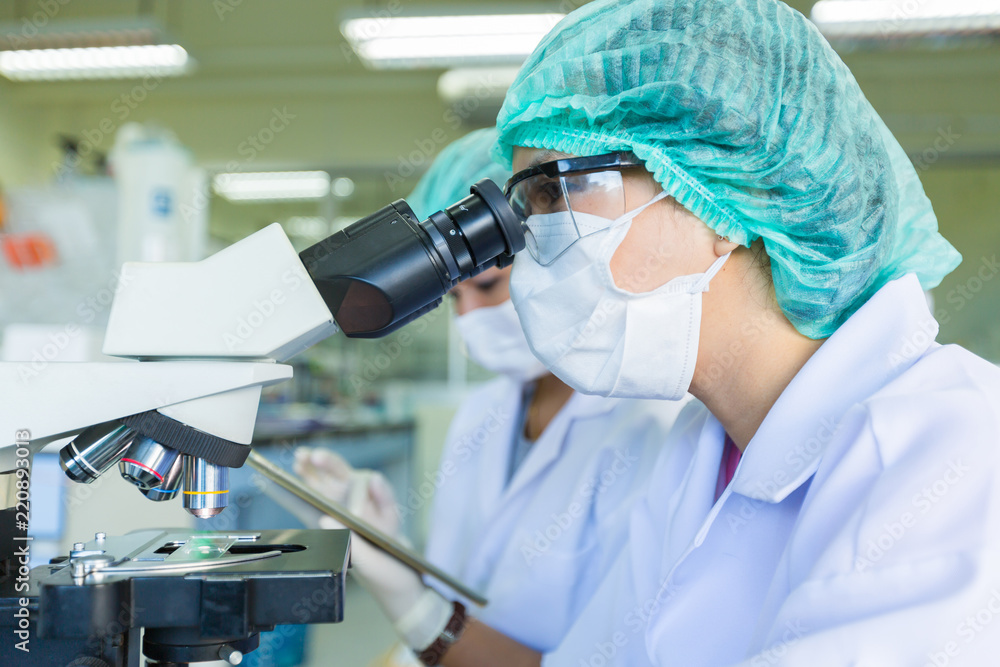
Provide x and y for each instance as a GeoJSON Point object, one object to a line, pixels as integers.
{"type": "Point", "coordinates": [272, 186]}
{"type": "Point", "coordinates": [90, 49]}
{"type": "Point", "coordinates": [408, 42]}
{"type": "Point", "coordinates": [103, 62]}
{"type": "Point", "coordinates": [905, 18]}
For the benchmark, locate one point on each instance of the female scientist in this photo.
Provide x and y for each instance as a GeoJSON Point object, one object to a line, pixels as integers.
{"type": "Point", "coordinates": [715, 206]}
{"type": "Point", "coordinates": [535, 482]}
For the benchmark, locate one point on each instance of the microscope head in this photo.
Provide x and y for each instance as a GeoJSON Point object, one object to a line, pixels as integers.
{"type": "Point", "coordinates": [250, 304]}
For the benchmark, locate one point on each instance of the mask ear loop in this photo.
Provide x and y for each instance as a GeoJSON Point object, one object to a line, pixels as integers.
{"type": "Point", "coordinates": [701, 285]}
{"type": "Point", "coordinates": [631, 214]}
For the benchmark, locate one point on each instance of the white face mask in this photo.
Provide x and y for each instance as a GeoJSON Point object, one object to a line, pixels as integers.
{"type": "Point", "coordinates": [600, 339]}
{"type": "Point", "coordinates": [494, 340]}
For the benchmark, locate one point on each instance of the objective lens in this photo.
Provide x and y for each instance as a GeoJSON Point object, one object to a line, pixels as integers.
{"type": "Point", "coordinates": [171, 483]}
{"type": "Point", "coordinates": [206, 487]}
{"type": "Point", "coordinates": [95, 450]}
{"type": "Point", "coordinates": [147, 463]}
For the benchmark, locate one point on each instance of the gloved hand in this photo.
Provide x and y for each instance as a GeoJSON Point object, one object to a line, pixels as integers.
{"type": "Point", "coordinates": [418, 613]}
{"type": "Point", "coordinates": [365, 492]}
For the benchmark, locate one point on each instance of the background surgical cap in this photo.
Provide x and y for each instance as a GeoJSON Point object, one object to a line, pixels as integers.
{"type": "Point", "coordinates": [456, 168]}
{"type": "Point", "coordinates": [747, 117]}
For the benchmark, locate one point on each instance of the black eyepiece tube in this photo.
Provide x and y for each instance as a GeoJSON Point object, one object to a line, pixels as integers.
{"type": "Point", "coordinates": [389, 268]}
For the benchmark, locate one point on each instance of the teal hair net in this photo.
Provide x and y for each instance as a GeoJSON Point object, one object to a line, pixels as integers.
{"type": "Point", "coordinates": [746, 116]}
{"type": "Point", "coordinates": [461, 163]}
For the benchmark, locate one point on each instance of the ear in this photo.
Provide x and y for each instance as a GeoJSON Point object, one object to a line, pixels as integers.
{"type": "Point", "coordinates": [724, 245]}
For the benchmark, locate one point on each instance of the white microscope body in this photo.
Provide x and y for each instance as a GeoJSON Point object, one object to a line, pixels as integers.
{"type": "Point", "coordinates": [204, 337]}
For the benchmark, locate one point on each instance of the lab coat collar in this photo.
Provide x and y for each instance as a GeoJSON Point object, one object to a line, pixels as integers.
{"type": "Point", "coordinates": [550, 444]}
{"type": "Point", "coordinates": [877, 343]}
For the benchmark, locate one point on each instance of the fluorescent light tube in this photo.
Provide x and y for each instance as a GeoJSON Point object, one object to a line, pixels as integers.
{"type": "Point", "coordinates": [892, 18]}
{"type": "Point", "coordinates": [103, 62]}
{"type": "Point", "coordinates": [445, 41]}
{"type": "Point", "coordinates": [484, 83]}
{"type": "Point", "coordinates": [272, 186]}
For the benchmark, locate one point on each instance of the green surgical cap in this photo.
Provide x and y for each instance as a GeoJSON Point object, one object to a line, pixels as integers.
{"type": "Point", "coordinates": [746, 116]}
{"type": "Point", "coordinates": [461, 164]}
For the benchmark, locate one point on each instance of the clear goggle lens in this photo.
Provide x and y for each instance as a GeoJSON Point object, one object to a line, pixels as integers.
{"type": "Point", "coordinates": [559, 210]}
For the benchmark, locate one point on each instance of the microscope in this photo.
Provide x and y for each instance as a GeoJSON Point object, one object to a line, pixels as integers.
{"type": "Point", "coordinates": [199, 341]}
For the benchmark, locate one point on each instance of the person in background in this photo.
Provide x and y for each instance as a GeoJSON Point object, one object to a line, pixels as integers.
{"type": "Point", "coordinates": [536, 480]}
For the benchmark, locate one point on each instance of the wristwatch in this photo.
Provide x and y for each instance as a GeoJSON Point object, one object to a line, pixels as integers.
{"type": "Point", "coordinates": [432, 655]}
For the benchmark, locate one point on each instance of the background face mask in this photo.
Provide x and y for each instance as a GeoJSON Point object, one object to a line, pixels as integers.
{"type": "Point", "coordinates": [600, 339]}
{"type": "Point", "coordinates": [494, 339]}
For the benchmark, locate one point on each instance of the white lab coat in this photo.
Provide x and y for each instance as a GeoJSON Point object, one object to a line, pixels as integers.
{"type": "Point", "coordinates": [538, 546]}
{"type": "Point", "coordinates": [862, 525]}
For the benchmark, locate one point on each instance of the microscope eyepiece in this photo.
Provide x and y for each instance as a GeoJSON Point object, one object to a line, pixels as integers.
{"type": "Point", "coordinates": [206, 487]}
{"type": "Point", "coordinates": [147, 463]}
{"type": "Point", "coordinates": [95, 450]}
{"type": "Point", "coordinates": [389, 268]}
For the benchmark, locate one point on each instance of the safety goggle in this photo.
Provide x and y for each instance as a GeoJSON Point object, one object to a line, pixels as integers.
{"type": "Point", "coordinates": [565, 200]}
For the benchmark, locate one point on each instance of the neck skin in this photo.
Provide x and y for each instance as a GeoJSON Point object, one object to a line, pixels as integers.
{"type": "Point", "coordinates": [551, 394]}
{"type": "Point", "coordinates": [748, 351]}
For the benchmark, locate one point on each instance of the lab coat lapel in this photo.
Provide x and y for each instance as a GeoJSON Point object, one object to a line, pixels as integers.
{"type": "Point", "coordinates": [680, 505]}
{"type": "Point", "coordinates": [550, 445]}
{"type": "Point", "coordinates": [496, 454]}
{"type": "Point", "coordinates": [692, 502]}
{"type": "Point", "coordinates": [490, 543]}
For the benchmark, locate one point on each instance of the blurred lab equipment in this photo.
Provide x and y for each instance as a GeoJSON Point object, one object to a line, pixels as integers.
{"type": "Point", "coordinates": [162, 197]}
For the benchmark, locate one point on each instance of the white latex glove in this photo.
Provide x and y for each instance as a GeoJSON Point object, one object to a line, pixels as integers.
{"type": "Point", "coordinates": [330, 475]}
{"type": "Point", "coordinates": [418, 613]}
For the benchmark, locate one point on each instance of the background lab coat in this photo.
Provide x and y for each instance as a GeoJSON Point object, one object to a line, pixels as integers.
{"type": "Point", "coordinates": [861, 528]}
{"type": "Point", "coordinates": [539, 547]}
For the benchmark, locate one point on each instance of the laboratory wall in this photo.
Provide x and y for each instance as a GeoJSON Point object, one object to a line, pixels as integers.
{"type": "Point", "coordinates": [20, 142]}
{"type": "Point", "coordinates": [967, 303]}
